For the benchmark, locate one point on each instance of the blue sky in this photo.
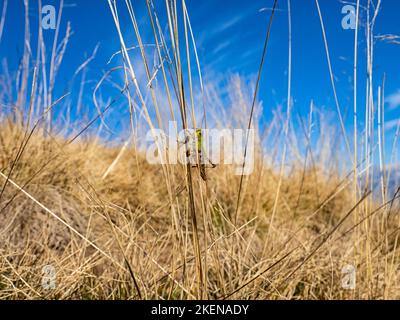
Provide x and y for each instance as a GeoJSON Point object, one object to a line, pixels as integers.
{"type": "Point", "coordinates": [229, 36]}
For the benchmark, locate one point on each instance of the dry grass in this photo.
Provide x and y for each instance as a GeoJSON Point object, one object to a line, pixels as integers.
{"type": "Point", "coordinates": [126, 214]}
{"type": "Point", "coordinates": [116, 227]}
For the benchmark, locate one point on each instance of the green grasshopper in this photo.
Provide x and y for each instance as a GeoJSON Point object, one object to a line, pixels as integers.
{"type": "Point", "coordinates": [200, 154]}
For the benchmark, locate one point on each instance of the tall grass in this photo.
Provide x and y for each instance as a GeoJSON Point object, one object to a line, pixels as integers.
{"type": "Point", "coordinates": [115, 226]}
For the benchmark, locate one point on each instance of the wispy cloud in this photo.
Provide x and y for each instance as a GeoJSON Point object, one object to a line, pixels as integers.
{"type": "Point", "coordinates": [229, 23]}
{"type": "Point", "coordinates": [222, 46]}
{"type": "Point", "coordinates": [394, 100]}
{"type": "Point", "coordinates": [392, 124]}
{"type": "Point", "coordinates": [234, 20]}
{"type": "Point", "coordinates": [268, 9]}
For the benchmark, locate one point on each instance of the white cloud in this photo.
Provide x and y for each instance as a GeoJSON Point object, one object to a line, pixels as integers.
{"type": "Point", "coordinates": [391, 124]}
{"type": "Point", "coordinates": [230, 23]}
{"type": "Point", "coordinates": [394, 100]}
{"type": "Point", "coordinates": [222, 46]}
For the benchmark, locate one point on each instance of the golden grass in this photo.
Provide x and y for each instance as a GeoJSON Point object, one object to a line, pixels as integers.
{"type": "Point", "coordinates": [114, 226]}
{"type": "Point", "coordinates": [126, 216]}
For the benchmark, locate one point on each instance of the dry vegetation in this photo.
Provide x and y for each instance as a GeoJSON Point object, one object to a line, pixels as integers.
{"type": "Point", "coordinates": [115, 227]}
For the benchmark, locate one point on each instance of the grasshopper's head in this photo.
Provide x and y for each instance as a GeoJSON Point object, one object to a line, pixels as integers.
{"type": "Point", "coordinates": [199, 138]}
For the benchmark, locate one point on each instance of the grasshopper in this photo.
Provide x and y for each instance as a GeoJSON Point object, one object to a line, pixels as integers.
{"type": "Point", "coordinates": [199, 144]}
{"type": "Point", "coordinates": [199, 150]}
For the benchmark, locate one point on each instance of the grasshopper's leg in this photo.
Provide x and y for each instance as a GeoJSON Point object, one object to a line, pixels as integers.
{"type": "Point", "coordinates": [203, 172]}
